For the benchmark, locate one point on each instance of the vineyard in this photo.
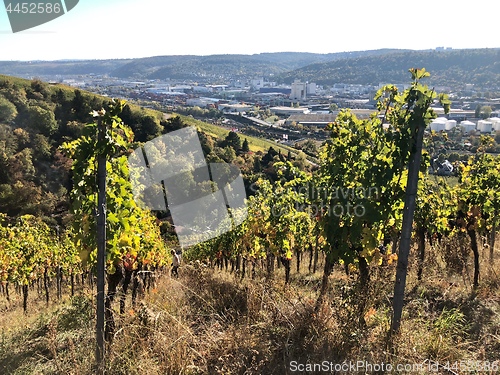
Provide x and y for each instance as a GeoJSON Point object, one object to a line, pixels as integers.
{"type": "Point", "coordinates": [366, 257]}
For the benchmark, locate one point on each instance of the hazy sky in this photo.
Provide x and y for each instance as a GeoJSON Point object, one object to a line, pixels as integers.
{"type": "Point", "coordinates": [100, 29]}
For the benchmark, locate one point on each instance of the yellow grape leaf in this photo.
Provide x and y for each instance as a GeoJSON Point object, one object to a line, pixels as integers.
{"type": "Point", "coordinates": [392, 258]}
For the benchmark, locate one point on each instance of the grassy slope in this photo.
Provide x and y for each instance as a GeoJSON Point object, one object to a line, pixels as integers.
{"type": "Point", "coordinates": [212, 322]}
{"type": "Point", "coordinates": [255, 144]}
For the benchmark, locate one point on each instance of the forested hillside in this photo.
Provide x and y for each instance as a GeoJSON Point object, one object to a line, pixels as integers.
{"type": "Point", "coordinates": [37, 118]}
{"type": "Point", "coordinates": [228, 66]}
{"type": "Point", "coordinates": [449, 67]}
{"type": "Point", "coordinates": [60, 67]}
{"type": "Point", "coordinates": [182, 66]}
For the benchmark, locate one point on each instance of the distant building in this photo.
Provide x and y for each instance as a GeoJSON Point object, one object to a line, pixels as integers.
{"type": "Point", "coordinates": [450, 125]}
{"type": "Point", "coordinates": [275, 90]}
{"type": "Point", "coordinates": [238, 107]}
{"type": "Point", "coordinates": [201, 102]}
{"type": "Point", "coordinates": [496, 123]}
{"type": "Point", "coordinates": [323, 119]}
{"type": "Point", "coordinates": [257, 84]}
{"type": "Point", "coordinates": [289, 110]}
{"type": "Point", "coordinates": [311, 119]}
{"type": "Point", "coordinates": [311, 88]}
{"type": "Point", "coordinates": [438, 124]}
{"type": "Point", "coordinates": [299, 91]}
{"type": "Point", "coordinates": [203, 89]}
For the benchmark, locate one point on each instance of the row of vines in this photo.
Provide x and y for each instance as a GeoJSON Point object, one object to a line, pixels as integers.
{"type": "Point", "coordinates": [32, 253]}
{"type": "Point", "coordinates": [351, 209]}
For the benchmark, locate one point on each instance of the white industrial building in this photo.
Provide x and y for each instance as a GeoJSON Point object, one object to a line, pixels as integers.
{"type": "Point", "coordinates": [257, 84]}
{"type": "Point", "coordinates": [299, 91]}
{"type": "Point", "coordinates": [201, 102]}
{"type": "Point", "coordinates": [311, 88]}
{"type": "Point", "coordinates": [203, 89]}
{"type": "Point", "coordinates": [289, 110]}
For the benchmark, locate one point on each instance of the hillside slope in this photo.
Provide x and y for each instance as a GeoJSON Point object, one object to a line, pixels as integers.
{"type": "Point", "coordinates": [228, 66]}
{"type": "Point", "coordinates": [448, 68]}
{"type": "Point", "coordinates": [180, 66]}
{"type": "Point", "coordinates": [37, 118]}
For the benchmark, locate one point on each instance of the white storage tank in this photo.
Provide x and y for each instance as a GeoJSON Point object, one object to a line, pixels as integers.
{"type": "Point", "coordinates": [484, 126]}
{"type": "Point", "coordinates": [496, 123]}
{"type": "Point", "coordinates": [450, 124]}
{"type": "Point", "coordinates": [439, 124]}
{"type": "Point", "coordinates": [467, 126]}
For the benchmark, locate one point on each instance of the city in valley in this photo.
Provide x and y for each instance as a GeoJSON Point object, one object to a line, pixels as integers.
{"type": "Point", "coordinates": [297, 112]}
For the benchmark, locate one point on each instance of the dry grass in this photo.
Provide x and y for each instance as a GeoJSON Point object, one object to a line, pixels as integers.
{"type": "Point", "coordinates": [212, 322]}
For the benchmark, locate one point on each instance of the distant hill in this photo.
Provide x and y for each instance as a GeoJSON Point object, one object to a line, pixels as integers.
{"type": "Point", "coordinates": [214, 67]}
{"type": "Point", "coordinates": [211, 67]}
{"type": "Point", "coordinates": [448, 68]}
{"type": "Point", "coordinates": [60, 67]}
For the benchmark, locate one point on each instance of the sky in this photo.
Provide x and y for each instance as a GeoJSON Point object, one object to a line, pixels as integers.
{"type": "Point", "coordinates": [105, 29]}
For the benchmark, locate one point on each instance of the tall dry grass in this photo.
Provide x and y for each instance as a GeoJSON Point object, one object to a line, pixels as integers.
{"type": "Point", "coordinates": [213, 322]}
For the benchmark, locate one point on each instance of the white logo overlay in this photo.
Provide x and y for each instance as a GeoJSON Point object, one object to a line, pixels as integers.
{"type": "Point", "coordinates": [204, 200]}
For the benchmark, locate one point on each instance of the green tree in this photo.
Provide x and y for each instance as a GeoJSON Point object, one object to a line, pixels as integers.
{"type": "Point", "coordinates": [42, 120]}
{"type": "Point", "coordinates": [172, 123]}
{"type": "Point", "coordinates": [485, 112]}
{"type": "Point", "coordinates": [147, 129]}
{"type": "Point", "coordinates": [42, 147]}
{"type": "Point", "coordinates": [333, 107]}
{"type": "Point", "coordinates": [8, 111]}
{"type": "Point", "coordinates": [39, 87]}
{"type": "Point", "coordinates": [310, 148]}
{"type": "Point", "coordinates": [245, 147]}
{"type": "Point", "coordinates": [477, 111]}
{"type": "Point", "coordinates": [232, 140]}
{"type": "Point", "coordinates": [228, 154]}
{"type": "Point", "coordinates": [81, 107]}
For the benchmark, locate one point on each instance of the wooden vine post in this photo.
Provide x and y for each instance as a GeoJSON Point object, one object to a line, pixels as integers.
{"type": "Point", "coordinates": [101, 248]}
